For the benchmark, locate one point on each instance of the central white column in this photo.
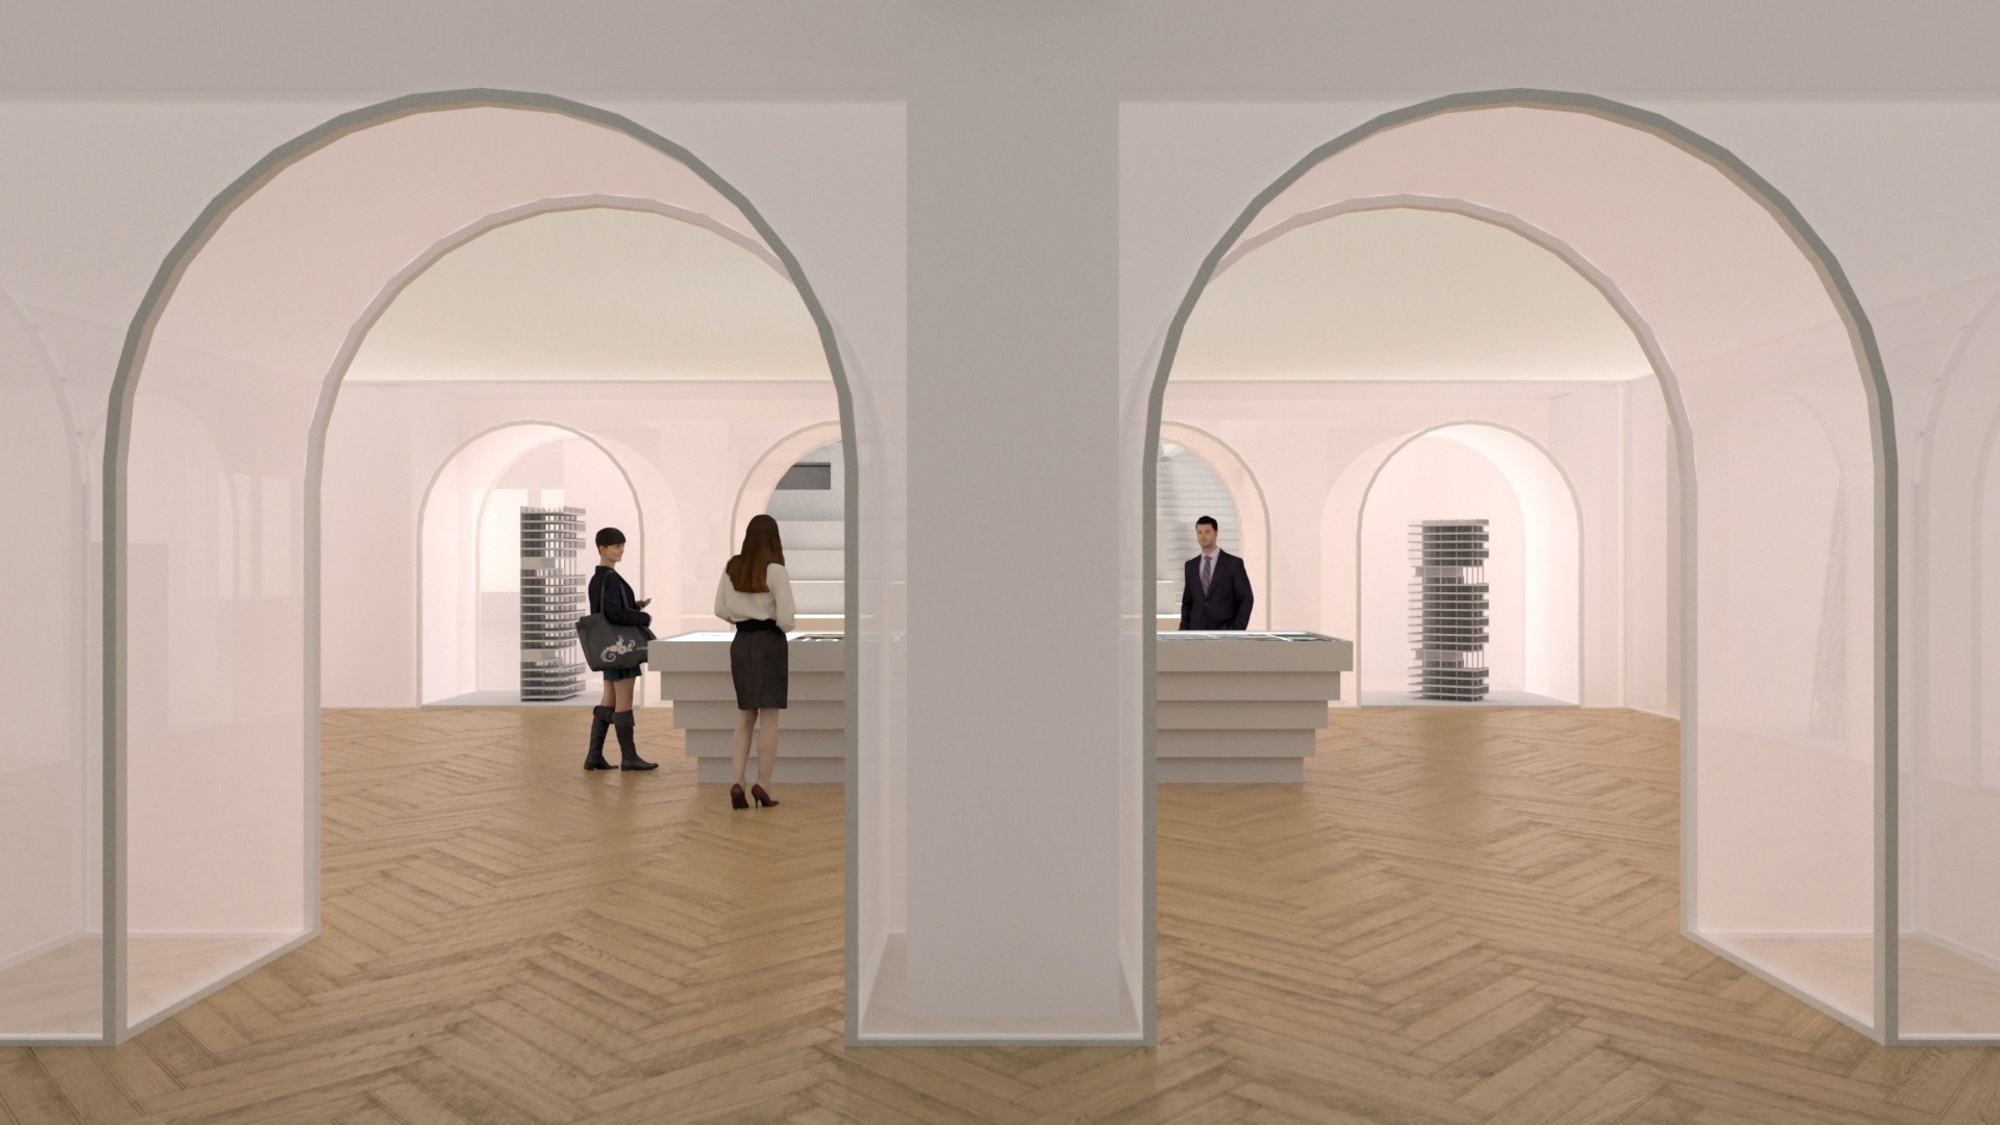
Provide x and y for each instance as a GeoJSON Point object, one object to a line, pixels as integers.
{"type": "Point", "coordinates": [1013, 891]}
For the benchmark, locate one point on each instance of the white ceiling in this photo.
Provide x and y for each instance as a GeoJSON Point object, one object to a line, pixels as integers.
{"type": "Point", "coordinates": [1404, 295]}
{"type": "Point", "coordinates": [603, 294]}
{"type": "Point", "coordinates": [595, 294]}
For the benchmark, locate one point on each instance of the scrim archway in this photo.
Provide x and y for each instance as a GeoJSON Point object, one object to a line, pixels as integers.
{"type": "Point", "coordinates": [246, 328]}
{"type": "Point", "coordinates": [1482, 471]}
{"type": "Point", "coordinates": [1732, 296]}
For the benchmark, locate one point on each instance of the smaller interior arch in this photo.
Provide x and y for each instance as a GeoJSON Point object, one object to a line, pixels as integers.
{"type": "Point", "coordinates": [1475, 471]}
{"type": "Point", "coordinates": [469, 584]}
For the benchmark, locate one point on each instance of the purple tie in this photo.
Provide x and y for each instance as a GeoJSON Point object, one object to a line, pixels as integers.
{"type": "Point", "coordinates": [1207, 571]}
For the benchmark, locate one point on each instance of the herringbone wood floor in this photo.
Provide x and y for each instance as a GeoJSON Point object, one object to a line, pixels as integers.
{"type": "Point", "coordinates": [1460, 917]}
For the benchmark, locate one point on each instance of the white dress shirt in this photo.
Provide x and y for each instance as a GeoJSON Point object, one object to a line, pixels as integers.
{"type": "Point", "coordinates": [732, 604]}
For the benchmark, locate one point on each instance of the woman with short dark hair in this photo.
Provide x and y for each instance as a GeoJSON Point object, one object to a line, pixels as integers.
{"type": "Point", "coordinates": [610, 596]}
{"type": "Point", "coordinates": [755, 593]}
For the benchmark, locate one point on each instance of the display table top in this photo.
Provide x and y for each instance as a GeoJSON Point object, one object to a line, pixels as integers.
{"type": "Point", "coordinates": [726, 635]}
{"type": "Point", "coordinates": [1272, 651]}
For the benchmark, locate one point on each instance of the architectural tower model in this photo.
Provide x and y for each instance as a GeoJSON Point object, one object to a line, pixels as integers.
{"type": "Point", "coordinates": [1448, 609]}
{"type": "Point", "coordinates": [552, 598]}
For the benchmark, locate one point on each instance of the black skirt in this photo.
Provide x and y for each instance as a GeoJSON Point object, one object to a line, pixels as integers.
{"type": "Point", "coordinates": [760, 665]}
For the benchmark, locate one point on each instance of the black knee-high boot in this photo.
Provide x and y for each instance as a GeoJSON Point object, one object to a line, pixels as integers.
{"type": "Point", "coordinates": [628, 754]}
{"type": "Point", "coordinates": [600, 722]}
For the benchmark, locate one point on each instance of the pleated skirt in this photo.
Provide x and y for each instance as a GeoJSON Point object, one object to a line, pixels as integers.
{"type": "Point", "coordinates": [760, 666]}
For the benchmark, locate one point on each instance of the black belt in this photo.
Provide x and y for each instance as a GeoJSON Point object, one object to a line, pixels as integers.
{"type": "Point", "coordinates": [758, 625]}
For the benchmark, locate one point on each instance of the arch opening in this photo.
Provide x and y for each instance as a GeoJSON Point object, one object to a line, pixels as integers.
{"type": "Point", "coordinates": [1199, 474]}
{"type": "Point", "coordinates": [1780, 319]}
{"type": "Point", "coordinates": [250, 328]}
{"type": "Point", "coordinates": [469, 579]}
{"type": "Point", "coordinates": [1534, 599]}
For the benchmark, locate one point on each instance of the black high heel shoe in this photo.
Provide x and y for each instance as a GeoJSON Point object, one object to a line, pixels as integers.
{"type": "Point", "coordinates": [762, 798]}
{"type": "Point", "coordinates": [736, 800]}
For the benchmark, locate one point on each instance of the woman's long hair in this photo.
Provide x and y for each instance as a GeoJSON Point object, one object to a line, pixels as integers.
{"type": "Point", "coordinates": [761, 548]}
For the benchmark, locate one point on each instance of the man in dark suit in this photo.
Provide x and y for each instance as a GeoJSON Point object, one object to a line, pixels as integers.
{"type": "Point", "coordinates": [1217, 591]}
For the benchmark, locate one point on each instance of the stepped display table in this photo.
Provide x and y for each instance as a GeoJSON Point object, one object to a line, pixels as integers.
{"type": "Point", "coordinates": [812, 734]}
{"type": "Point", "coordinates": [1232, 706]}
{"type": "Point", "coordinates": [1244, 706]}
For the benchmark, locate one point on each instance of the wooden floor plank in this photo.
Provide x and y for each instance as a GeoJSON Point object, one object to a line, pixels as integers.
{"type": "Point", "coordinates": [1458, 918]}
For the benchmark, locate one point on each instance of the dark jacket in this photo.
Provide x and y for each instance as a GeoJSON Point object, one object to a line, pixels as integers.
{"type": "Point", "coordinates": [1228, 601]}
{"type": "Point", "coordinates": [610, 596]}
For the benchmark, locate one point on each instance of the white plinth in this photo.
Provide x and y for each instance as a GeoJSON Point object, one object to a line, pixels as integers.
{"type": "Point", "coordinates": [1237, 707]}
{"type": "Point", "coordinates": [1233, 707]}
{"type": "Point", "coordinates": [812, 735]}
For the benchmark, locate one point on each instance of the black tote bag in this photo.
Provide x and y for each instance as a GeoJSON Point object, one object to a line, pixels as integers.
{"type": "Point", "coordinates": [608, 647]}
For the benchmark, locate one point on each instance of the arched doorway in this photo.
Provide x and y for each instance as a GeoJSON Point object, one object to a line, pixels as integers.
{"type": "Point", "coordinates": [1731, 296]}
{"type": "Point", "coordinates": [1476, 471]}
{"type": "Point", "coordinates": [281, 278]}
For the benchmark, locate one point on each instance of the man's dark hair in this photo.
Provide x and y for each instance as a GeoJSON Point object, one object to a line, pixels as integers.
{"type": "Point", "coordinates": [609, 537]}
{"type": "Point", "coordinates": [1209, 520]}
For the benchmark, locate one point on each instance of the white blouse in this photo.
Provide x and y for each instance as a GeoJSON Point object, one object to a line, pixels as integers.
{"type": "Point", "coordinates": [732, 604]}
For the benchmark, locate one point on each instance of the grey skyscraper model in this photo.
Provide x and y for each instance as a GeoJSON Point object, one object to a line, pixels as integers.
{"type": "Point", "coordinates": [1448, 609]}
{"type": "Point", "coordinates": [551, 601]}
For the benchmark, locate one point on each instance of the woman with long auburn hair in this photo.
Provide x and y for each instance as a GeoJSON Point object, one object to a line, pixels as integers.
{"type": "Point", "coordinates": [755, 594]}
